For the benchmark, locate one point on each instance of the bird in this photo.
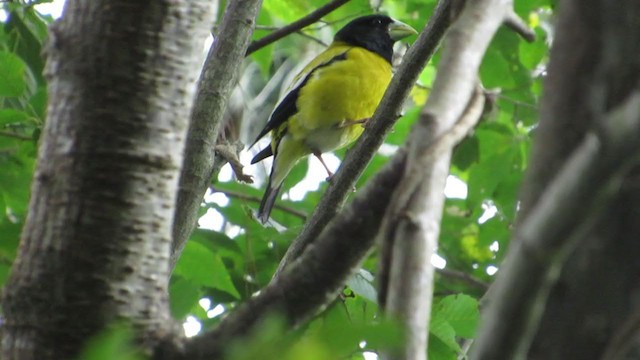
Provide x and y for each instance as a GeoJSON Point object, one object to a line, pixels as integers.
{"type": "Point", "coordinates": [328, 103]}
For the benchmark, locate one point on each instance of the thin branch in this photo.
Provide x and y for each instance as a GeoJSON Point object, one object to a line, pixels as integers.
{"type": "Point", "coordinates": [411, 225]}
{"type": "Point", "coordinates": [312, 38]}
{"type": "Point", "coordinates": [217, 80]}
{"type": "Point", "coordinates": [463, 277]}
{"type": "Point", "coordinates": [381, 123]}
{"type": "Point", "coordinates": [295, 26]}
{"type": "Point", "coordinates": [557, 222]}
{"type": "Point", "coordinates": [515, 23]}
{"type": "Point", "coordinates": [14, 135]}
{"type": "Point", "coordinates": [317, 276]}
{"type": "Point", "coordinates": [237, 195]}
{"type": "Point", "coordinates": [229, 153]}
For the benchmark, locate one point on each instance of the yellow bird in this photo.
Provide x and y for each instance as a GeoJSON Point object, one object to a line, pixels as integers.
{"type": "Point", "coordinates": [330, 99]}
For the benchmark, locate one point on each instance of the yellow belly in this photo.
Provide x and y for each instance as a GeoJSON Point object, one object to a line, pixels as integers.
{"type": "Point", "coordinates": [347, 90]}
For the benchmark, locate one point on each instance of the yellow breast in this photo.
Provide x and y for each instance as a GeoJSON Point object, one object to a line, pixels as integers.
{"type": "Point", "coordinates": [345, 90]}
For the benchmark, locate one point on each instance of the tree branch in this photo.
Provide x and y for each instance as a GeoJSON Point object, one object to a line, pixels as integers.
{"type": "Point", "coordinates": [410, 229]}
{"type": "Point", "coordinates": [316, 277]}
{"type": "Point", "coordinates": [295, 26]}
{"type": "Point", "coordinates": [463, 277]}
{"type": "Point", "coordinates": [557, 222]}
{"type": "Point", "coordinates": [256, 199]}
{"type": "Point", "coordinates": [15, 135]}
{"type": "Point", "coordinates": [412, 223]}
{"type": "Point", "coordinates": [381, 123]}
{"type": "Point", "coordinates": [217, 80]}
{"type": "Point", "coordinates": [515, 23]}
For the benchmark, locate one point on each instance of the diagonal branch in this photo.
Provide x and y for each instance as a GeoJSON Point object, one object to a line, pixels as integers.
{"type": "Point", "coordinates": [217, 80]}
{"type": "Point", "coordinates": [315, 278]}
{"type": "Point", "coordinates": [463, 277]}
{"type": "Point", "coordinates": [242, 196]}
{"type": "Point", "coordinates": [515, 23]}
{"type": "Point", "coordinates": [381, 123]}
{"type": "Point", "coordinates": [15, 135]}
{"type": "Point", "coordinates": [559, 220]}
{"type": "Point", "coordinates": [295, 26]}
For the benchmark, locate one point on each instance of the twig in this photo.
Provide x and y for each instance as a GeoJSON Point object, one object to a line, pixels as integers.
{"type": "Point", "coordinates": [234, 194]}
{"type": "Point", "coordinates": [229, 153]}
{"type": "Point", "coordinates": [515, 23]}
{"type": "Point", "coordinates": [14, 135]}
{"type": "Point", "coordinates": [318, 275]}
{"type": "Point", "coordinates": [464, 277]}
{"type": "Point", "coordinates": [295, 26]}
{"type": "Point", "coordinates": [323, 24]}
{"type": "Point", "coordinates": [381, 123]}
{"type": "Point", "coordinates": [312, 38]}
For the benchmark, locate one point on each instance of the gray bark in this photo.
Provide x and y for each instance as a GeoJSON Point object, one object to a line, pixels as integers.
{"type": "Point", "coordinates": [411, 226]}
{"type": "Point", "coordinates": [590, 310]}
{"type": "Point", "coordinates": [96, 243]}
{"type": "Point", "coordinates": [568, 288]}
{"type": "Point", "coordinates": [217, 80]}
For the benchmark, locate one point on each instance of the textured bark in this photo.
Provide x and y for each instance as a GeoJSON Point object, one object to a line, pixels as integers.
{"type": "Point", "coordinates": [96, 243]}
{"type": "Point", "coordinates": [317, 276]}
{"type": "Point", "coordinates": [217, 80]}
{"type": "Point", "coordinates": [568, 287]}
{"type": "Point", "coordinates": [411, 226]}
{"type": "Point", "coordinates": [595, 66]}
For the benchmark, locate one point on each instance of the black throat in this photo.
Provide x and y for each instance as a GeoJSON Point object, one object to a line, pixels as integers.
{"type": "Point", "coordinates": [380, 44]}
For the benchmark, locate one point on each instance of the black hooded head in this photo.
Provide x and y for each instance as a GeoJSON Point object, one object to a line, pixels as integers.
{"type": "Point", "coordinates": [370, 32]}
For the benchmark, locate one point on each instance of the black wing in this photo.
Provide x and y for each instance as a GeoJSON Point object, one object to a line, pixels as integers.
{"type": "Point", "coordinates": [287, 107]}
{"type": "Point", "coordinates": [263, 154]}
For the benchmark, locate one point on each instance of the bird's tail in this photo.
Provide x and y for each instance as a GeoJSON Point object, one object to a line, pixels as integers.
{"type": "Point", "coordinates": [268, 200]}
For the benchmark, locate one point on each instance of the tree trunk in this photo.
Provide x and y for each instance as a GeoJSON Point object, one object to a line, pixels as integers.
{"type": "Point", "coordinates": [595, 66]}
{"type": "Point", "coordinates": [568, 286]}
{"type": "Point", "coordinates": [121, 83]}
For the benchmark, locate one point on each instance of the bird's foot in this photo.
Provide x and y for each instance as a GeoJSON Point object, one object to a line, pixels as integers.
{"type": "Point", "coordinates": [318, 155]}
{"type": "Point", "coordinates": [364, 122]}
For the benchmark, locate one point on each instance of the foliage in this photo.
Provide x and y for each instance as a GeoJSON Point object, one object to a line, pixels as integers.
{"type": "Point", "coordinates": [232, 256]}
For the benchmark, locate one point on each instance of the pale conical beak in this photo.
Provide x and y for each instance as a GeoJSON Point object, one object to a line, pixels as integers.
{"type": "Point", "coordinates": [399, 30]}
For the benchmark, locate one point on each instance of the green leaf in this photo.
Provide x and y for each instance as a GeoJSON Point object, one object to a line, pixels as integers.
{"type": "Point", "coordinates": [12, 116]}
{"type": "Point", "coordinates": [467, 153]}
{"type": "Point", "coordinates": [203, 267]}
{"type": "Point", "coordinates": [531, 54]}
{"type": "Point", "coordinates": [38, 103]}
{"type": "Point", "coordinates": [460, 312]}
{"type": "Point", "coordinates": [17, 170]}
{"type": "Point", "coordinates": [216, 241]}
{"type": "Point", "coordinates": [28, 30]}
{"type": "Point", "coordinates": [9, 236]}
{"type": "Point", "coordinates": [486, 175]}
{"type": "Point", "coordinates": [438, 350]}
{"type": "Point", "coordinates": [442, 330]}
{"type": "Point", "coordinates": [495, 70]}
{"type": "Point", "coordinates": [184, 296]}
{"type": "Point", "coordinates": [494, 229]}
{"type": "Point", "coordinates": [113, 343]}
{"type": "Point", "coordinates": [12, 76]}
